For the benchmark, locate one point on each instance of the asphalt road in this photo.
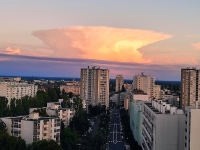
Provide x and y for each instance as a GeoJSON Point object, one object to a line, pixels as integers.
{"type": "Point", "coordinates": [115, 139]}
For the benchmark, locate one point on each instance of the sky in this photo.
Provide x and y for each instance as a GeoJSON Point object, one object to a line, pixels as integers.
{"type": "Point", "coordinates": [57, 38]}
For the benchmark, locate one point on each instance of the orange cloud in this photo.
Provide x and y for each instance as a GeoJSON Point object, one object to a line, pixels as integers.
{"type": "Point", "coordinates": [102, 43]}
{"type": "Point", "coordinates": [3, 59]}
{"type": "Point", "coordinates": [12, 51]}
{"type": "Point", "coordinates": [196, 46]}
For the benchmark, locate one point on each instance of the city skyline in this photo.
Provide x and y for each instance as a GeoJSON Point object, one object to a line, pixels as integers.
{"type": "Point", "coordinates": [57, 39]}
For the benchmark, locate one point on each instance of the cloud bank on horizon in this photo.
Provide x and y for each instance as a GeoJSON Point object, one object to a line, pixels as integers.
{"type": "Point", "coordinates": [101, 43]}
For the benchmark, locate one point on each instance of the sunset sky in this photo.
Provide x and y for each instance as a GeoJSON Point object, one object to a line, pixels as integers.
{"type": "Point", "coordinates": [56, 38]}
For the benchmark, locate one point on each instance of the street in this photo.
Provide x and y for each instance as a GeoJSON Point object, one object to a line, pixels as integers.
{"type": "Point", "coordinates": [115, 139]}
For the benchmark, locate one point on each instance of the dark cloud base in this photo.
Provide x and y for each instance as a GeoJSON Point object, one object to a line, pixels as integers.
{"type": "Point", "coordinates": [70, 67]}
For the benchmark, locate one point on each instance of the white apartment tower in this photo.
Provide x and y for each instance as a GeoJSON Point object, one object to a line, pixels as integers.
{"type": "Point", "coordinates": [190, 87]}
{"type": "Point", "coordinates": [94, 86]}
{"type": "Point", "coordinates": [144, 83]}
{"type": "Point", "coordinates": [34, 128]}
{"type": "Point", "coordinates": [192, 132]}
{"type": "Point", "coordinates": [163, 126]}
{"type": "Point", "coordinates": [119, 83]}
{"type": "Point", "coordinates": [17, 90]}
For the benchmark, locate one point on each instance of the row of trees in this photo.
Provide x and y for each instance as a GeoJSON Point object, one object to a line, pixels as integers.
{"type": "Point", "coordinates": [21, 106]}
{"type": "Point", "coordinates": [128, 136]}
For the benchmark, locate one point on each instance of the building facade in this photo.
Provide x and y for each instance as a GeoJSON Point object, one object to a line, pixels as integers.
{"type": "Point", "coordinates": [17, 90]}
{"type": "Point", "coordinates": [163, 126]}
{"type": "Point", "coordinates": [94, 86]}
{"type": "Point", "coordinates": [190, 87]}
{"type": "Point", "coordinates": [145, 83]}
{"type": "Point", "coordinates": [192, 132]}
{"type": "Point", "coordinates": [119, 83]}
{"type": "Point", "coordinates": [34, 128]}
{"type": "Point", "coordinates": [71, 86]}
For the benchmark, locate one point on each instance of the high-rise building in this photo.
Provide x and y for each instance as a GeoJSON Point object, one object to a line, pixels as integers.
{"type": "Point", "coordinates": [192, 132]}
{"type": "Point", "coordinates": [163, 126]}
{"type": "Point", "coordinates": [17, 90]}
{"type": "Point", "coordinates": [145, 83]}
{"type": "Point", "coordinates": [190, 87]}
{"type": "Point", "coordinates": [94, 86]}
{"type": "Point", "coordinates": [119, 83]}
{"type": "Point", "coordinates": [157, 91]}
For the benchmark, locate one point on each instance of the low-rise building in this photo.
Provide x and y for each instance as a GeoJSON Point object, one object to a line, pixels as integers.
{"type": "Point", "coordinates": [33, 128]}
{"type": "Point", "coordinates": [71, 86]}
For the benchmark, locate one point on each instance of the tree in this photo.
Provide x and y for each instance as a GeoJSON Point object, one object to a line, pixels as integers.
{"type": "Point", "coordinates": [68, 139]}
{"type": "Point", "coordinates": [2, 126]}
{"type": "Point", "coordinates": [8, 142]}
{"type": "Point", "coordinates": [44, 145]}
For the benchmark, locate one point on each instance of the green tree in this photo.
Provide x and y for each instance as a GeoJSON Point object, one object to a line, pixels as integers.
{"type": "Point", "coordinates": [2, 126]}
{"type": "Point", "coordinates": [8, 142]}
{"type": "Point", "coordinates": [68, 139]}
{"type": "Point", "coordinates": [44, 145]}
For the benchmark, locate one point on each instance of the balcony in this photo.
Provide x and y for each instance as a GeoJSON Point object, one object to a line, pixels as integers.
{"type": "Point", "coordinates": [148, 122]}
{"type": "Point", "coordinates": [145, 143]}
{"type": "Point", "coordinates": [148, 134]}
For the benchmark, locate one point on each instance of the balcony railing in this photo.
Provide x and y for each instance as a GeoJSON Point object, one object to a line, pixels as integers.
{"type": "Point", "coordinates": [148, 134]}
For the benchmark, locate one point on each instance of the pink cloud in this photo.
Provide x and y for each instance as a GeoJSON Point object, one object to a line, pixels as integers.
{"type": "Point", "coordinates": [12, 51]}
{"type": "Point", "coordinates": [196, 46]}
{"type": "Point", "coordinates": [3, 59]}
{"type": "Point", "coordinates": [102, 43]}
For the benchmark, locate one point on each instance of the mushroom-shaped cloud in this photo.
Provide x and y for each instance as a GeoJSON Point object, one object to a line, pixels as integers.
{"type": "Point", "coordinates": [102, 43]}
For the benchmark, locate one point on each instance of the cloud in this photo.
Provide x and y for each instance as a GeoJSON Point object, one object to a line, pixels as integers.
{"type": "Point", "coordinates": [196, 46]}
{"type": "Point", "coordinates": [70, 67]}
{"type": "Point", "coordinates": [3, 59]}
{"type": "Point", "coordinates": [12, 51]}
{"type": "Point", "coordinates": [101, 43]}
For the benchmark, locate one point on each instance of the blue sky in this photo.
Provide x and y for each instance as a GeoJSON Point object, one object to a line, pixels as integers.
{"type": "Point", "coordinates": [166, 33]}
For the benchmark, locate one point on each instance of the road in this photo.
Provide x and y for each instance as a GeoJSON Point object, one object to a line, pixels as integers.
{"type": "Point", "coordinates": [115, 139]}
{"type": "Point", "coordinates": [95, 127]}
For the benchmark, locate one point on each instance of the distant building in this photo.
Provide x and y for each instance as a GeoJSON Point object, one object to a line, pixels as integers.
{"type": "Point", "coordinates": [119, 83]}
{"type": "Point", "coordinates": [192, 132]}
{"type": "Point", "coordinates": [17, 90]}
{"type": "Point", "coordinates": [10, 79]}
{"type": "Point", "coordinates": [190, 87]}
{"type": "Point", "coordinates": [71, 86]}
{"type": "Point", "coordinates": [145, 83]}
{"type": "Point", "coordinates": [157, 91]}
{"type": "Point", "coordinates": [94, 86]}
{"type": "Point", "coordinates": [34, 128]}
{"type": "Point", "coordinates": [163, 126]}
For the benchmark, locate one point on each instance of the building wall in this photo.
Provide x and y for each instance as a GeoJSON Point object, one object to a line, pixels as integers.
{"type": "Point", "coordinates": [194, 129]}
{"type": "Point", "coordinates": [94, 86]}
{"type": "Point", "coordinates": [144, 83]}
{"type": "Point", "coordinates": [136, 120]}
{"type": "Point", "coordinates": [190, 87]}
{"type": "Point", "coordinates": [17, 90]}
{"type": "Point", "coordinates": [27, 131]}
{"type": "Point", "coordinates": [119, 83]}
{"type": "Point", "coordinates": [140, 97]}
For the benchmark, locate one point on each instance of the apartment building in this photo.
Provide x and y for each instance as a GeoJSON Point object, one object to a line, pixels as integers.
{"type": "Point", "coordinates": [136, 120]}
{"type": "Point", "coordinates": [17, 90]}
{"type": "Point", "coordinates": [163, 126]}
{"type": "Point", "coordinates": [119, 83]}
{"type": "Point", "coordinates": [190, 87]}
{"type": "Point", "coordinates": [71, 86]}
{"type": "Point", "coordinates": [145, 83]}
{"type": "Point", "coordinates": [94, 86]}
{"type": "Point", "coordinates": [34, 128]}
{"type": "Point", "coordinates": [157, 91]}
{"type": "Point", "coordinates": [55, 109]}
{"type": "Point", "coordinates": [192, 132]}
